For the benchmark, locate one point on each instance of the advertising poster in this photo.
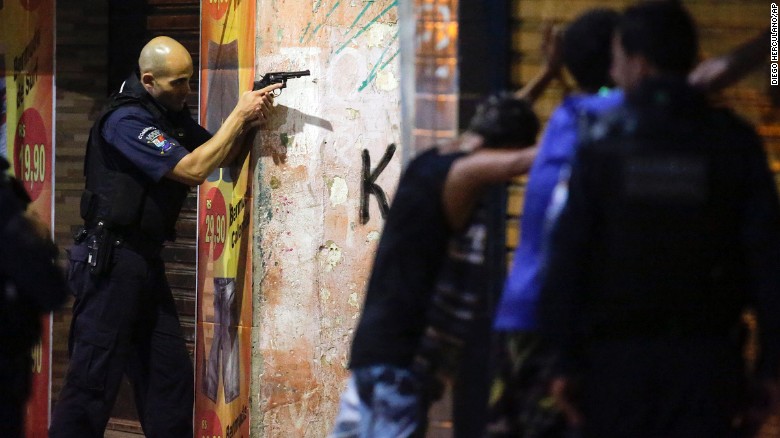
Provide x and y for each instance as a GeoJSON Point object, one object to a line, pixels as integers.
{"type": "Point", "coordinates": [26, 128]}
{"type": "Point", "coordinates": [224, 305]}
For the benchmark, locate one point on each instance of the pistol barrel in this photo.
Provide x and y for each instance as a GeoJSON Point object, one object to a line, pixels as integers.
{"type": "Point", "coordinates": [298, 74]}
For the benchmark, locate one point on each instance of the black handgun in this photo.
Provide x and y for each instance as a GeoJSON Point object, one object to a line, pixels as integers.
{"type": "Point", "coordinates": [278, 77]}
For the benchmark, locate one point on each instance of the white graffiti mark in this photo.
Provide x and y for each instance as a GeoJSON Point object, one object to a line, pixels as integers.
{"type": "Point", "coordinates": [338, 191]}
{"type": "Point", "coordinates": [386, 81]}
{"type": "Point", "coordinates": [353, 300]}
{"type": "Point", "coordinates": [333, 255]}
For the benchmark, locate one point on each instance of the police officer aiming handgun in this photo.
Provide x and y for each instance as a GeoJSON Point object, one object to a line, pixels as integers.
{"type": "Point", "coordinates": [144, 153]}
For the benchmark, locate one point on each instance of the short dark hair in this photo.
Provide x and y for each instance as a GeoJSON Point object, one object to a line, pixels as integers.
{"type": "Point", "coordinates": [663, 32]}
{"type": "Point", "coordinates": [505, 120]}
{"type": "Point", "coordinates": [587, 43]}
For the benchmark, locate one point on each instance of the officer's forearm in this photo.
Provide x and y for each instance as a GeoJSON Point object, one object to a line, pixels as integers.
{"type": "Point", "coordinates": [242, 144]}
{"type": "Point", "coordinates": [197, 165]}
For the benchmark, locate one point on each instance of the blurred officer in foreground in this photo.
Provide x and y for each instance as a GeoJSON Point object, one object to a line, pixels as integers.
{"type": "Point", "coordinates": [671, 229]}
{"type": "Point", "coordinates": [144, 153]}
{"type": "Point", "coordinates": [31, 285]}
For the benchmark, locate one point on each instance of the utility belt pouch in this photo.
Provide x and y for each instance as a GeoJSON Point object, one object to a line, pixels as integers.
{"type": "Point", "coordinates": [80, 235]}
{"type": "Point", "coordinates": [88, 205]}
{"type": "Point", "coordinates": [100, 248]}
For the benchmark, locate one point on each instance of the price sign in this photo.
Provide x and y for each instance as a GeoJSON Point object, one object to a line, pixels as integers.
{"type": "Point", "coordinates": [217, 8]}
{"type": "Point", "coordinates": [32, 153]}
{"type": "Point", "coordinates": [29, 5]}
{"type": "Point", "coordinates": [37, 357]}
{"type": "Point", "coordinates": [208, 425]}
{"type": "Point", "coordinates": [214, 227]}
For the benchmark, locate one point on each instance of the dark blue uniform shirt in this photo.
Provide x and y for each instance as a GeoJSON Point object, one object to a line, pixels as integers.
{"type": "Point", "coordinates": [143, 148]}
{"type": "Point", "coordinates": [137, 136]}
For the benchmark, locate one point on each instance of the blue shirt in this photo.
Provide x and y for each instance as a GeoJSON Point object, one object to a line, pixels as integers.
{"type": "Point", "coordinates": [133, 132]}
{"type": "Point", "coordinates": [138, 146]}
{"type": "Point", "coordinates": [517, 308]}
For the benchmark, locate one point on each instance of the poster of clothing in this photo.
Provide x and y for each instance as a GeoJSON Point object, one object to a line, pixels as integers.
{"type": "Point", "coordinates": [27, 141]}
{"type": "Point", "coordinates": [224, 305]}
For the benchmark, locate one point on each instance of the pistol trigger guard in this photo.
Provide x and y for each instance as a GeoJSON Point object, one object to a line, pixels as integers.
{"type": "Point", "coordinates": [277, 92]}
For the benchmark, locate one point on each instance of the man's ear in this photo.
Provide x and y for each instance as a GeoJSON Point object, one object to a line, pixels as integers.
{"type": "Point", "coordinates": [147, 79]}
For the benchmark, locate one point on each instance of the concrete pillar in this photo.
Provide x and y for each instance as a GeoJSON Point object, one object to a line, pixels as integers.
{"type": "Point", "coordinates": [315, 227]}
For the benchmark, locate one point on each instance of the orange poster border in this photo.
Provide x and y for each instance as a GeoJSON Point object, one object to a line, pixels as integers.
{"type": "Point", "coordinates": [224, 227]}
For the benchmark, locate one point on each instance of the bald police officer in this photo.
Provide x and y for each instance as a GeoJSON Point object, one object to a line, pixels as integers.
{"type": "Point", "coordinates": [144, 153]}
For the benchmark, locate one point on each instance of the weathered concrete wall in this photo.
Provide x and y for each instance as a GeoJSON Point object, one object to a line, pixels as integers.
{"type": "Point", "coordinates": [313, 249]}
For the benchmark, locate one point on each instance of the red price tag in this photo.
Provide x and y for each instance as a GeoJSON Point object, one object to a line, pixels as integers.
{"type": "Point", "coordinates": [30, 5]}
{"type": "Point", "coordinates": [217, 8]}
{"type": "Point", "coordinates": [208, 425]}
{"type": "Point", "coordinates": [37, 357]}
{"type": "Point", "coordinates": [213, 223]}
{"type": "Point", "coordinates": [32, 153]}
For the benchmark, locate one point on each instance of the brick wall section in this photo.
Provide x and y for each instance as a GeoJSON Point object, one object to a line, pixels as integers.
{"type": "Point", "coordinates": [81, 83]}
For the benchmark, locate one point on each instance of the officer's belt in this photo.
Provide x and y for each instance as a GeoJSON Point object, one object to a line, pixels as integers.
{"type": "Point", "coordinates": [134, 241]}
{"type": "Point", "coordinates": [138, 243]}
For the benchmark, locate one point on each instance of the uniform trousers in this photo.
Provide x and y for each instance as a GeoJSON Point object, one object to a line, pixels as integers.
{"type": "Point", "coordinates": [124, 322]}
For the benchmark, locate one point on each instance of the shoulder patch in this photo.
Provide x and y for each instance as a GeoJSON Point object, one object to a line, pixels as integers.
{"type": "Point", "coordinates": [144, 131]}
{"type": "Point", "coordinates": [157, 138]}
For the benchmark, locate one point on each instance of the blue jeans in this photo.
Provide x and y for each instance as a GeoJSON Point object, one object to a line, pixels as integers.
{"type": "Point", "coordinates": [382, 401]}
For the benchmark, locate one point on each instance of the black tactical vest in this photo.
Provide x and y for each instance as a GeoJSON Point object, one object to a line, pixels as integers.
{"type": "Point", "coordinates": [668, 177]}
{"type": "Point", "coordinates": [120, 195]}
